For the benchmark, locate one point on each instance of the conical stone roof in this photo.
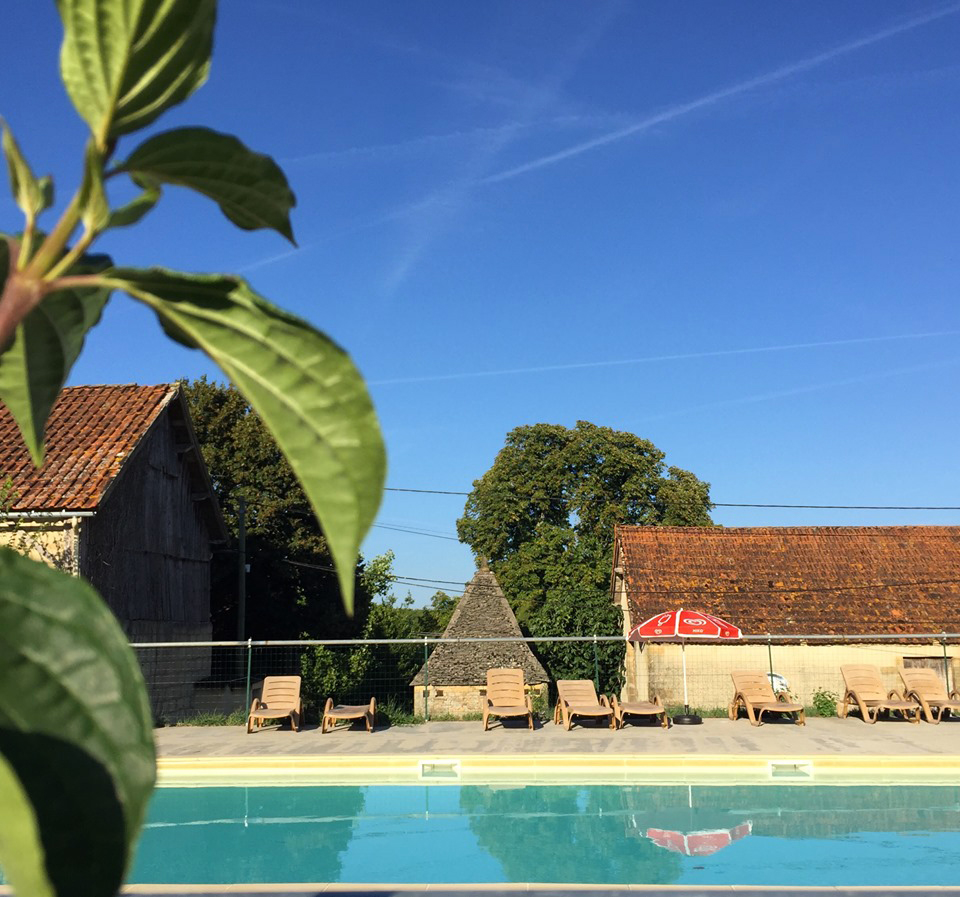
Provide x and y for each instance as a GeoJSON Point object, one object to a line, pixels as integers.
{"type": "Point", "coordinates": [483, 611]}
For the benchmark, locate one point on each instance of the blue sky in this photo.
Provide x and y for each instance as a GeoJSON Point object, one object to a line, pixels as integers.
{"type": "Point", "coordinates": [729, 228]}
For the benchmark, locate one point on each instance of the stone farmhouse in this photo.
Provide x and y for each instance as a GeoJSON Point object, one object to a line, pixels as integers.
{"type": "Point", "coordinates": [454, 679]}
{"type": "Point", "coordinates": [820, 597]}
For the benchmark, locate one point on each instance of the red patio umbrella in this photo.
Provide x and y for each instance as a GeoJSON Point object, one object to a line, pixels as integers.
{"type": "Point", "coordinates": [673, 625]}
{"type": "Point", "coordinates": [699, 844]}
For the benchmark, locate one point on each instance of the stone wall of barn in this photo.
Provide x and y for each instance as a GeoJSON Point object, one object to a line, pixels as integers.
{"type": "Point", "coordinates": [657, 669]}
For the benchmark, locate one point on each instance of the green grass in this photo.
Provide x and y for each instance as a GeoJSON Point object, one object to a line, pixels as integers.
{"type": "Point", "coordinates": [705, 712]}
{"type": "Point", "coordinates": [236, 718]}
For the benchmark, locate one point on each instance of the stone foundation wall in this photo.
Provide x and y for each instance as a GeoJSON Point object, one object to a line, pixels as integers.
{"type": "Point", "coordinates": [459, 700]}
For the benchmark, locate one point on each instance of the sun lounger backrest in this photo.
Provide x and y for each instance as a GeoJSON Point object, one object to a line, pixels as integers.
{"type": "Point", "coordinates": [755, 687]}
{"type": "Point", "coordinates": [864, 679]}
{"type": "Point", "coordinates": [505, 687]}
{"type": "Point", "coordinates": [281, 691]}
{"type": "Point", "coordinates": [577, 691]}
{"type": "Point", "coordinates": [925, 682]}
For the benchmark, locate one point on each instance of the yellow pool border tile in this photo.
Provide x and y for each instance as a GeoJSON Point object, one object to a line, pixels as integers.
{"type": "Point", "coordinates": [587, 768]}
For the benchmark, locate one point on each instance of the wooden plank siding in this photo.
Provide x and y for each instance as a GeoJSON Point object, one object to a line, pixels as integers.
{"type": "Point", "coordinates": [147, 550]}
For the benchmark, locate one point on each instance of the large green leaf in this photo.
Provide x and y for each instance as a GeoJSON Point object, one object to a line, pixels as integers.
{"type": "Point", "coordinates": [31, 193]}
{"type": "Point", "coordinates": [75, 735]}
{"type": "Point", "coordinates": [21, 851]}
{"type": "Point", "coordinates": [124, 62]}
{"type": "Point", "coordinates": [306, 389]}
{"type": "Point", "coordinates": [249, 187]}
{"type": "Point", "coordinates": [45, 346]}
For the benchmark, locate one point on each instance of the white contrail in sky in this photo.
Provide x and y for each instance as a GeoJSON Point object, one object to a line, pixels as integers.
{"type": "Point", "coordinates": [649, 359]}
{"type": "Point", "coordinates": [800, 390]}
{"type": "Point", "coordinates": [723, 94]}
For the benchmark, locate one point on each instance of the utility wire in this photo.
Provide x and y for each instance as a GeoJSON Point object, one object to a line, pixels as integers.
{"type": "Point", "coordinates": [722, 504]}
{"type": "Point", "coordinates": [416, 532]}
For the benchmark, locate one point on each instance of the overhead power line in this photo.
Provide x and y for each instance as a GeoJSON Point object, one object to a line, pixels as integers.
{"type": "Point", "coordinates": [723, 504]}
{"type": "Point", "coordinates": [416, 532]}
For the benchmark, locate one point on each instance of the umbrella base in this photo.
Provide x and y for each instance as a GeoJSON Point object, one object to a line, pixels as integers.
{"type": "Point", "coordinates": [687, 719]}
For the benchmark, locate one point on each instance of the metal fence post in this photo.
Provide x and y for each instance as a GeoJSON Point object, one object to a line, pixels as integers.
{"type": "Point", "coordinates": [596, 664]}
{"type": "Point", "coordinates": [249, 662]}
{"type": "Point", "coordinates": [946, 663]}
{"type": "Point", "coordinates": [426, 681]}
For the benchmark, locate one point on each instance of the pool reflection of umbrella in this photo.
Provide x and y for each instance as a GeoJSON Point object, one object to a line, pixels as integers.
{"type": "Point", "coordinates": [699, 844]}
{"type": "Point", "coordinates": [680, 625]}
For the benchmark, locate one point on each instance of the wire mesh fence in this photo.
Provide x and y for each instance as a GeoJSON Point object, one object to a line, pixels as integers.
{"type": "Point", "coordinates": [201, 681]}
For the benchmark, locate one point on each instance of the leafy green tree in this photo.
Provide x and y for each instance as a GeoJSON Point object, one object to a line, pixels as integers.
{"type": "Point", "coordinates": [76, 745]}
{"type": "Point", "coordinates": [353, 674]}
{"type": "Point", "coordinates": [291, 589]}
{"type": "Point", "coordinates": [543, 516]}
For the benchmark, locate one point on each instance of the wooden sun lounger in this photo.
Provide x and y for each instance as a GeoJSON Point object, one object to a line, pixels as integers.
{"type": "Point", "coordinates": [753, 692]}
{"type": "Point", "coordinates": [927, 688]}
{"type": "Point", "coordinates": [279, 699]}
{"type": "Point", "coordinates": [506, 696]}
{"type": "Point", "coordinates": [863, 688]}
{"type": "Point", "coordinates": [638, 708]}
{"type": "Point", "coordinates": [578, 697]}
{"type": "Point", "coordinates": [333, 712]}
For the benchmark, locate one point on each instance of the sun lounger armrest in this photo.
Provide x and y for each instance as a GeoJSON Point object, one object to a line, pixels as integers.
{"type": "Point", "coordinates": [603, 701]}
{"type": "Point", "coordinates": [895, 696]}
{"type": "Point", "coordinates": [255, 705]}
{"type": "Point", "coordinates": [955, 695]}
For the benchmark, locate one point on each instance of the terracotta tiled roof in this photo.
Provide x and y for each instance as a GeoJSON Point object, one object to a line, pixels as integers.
{"type": "Point", "coordinates": [482, 611]}
{"type": "Point", "coordinates": [90, 433]}
{"type": "Point", "coordinates": [797, 580]}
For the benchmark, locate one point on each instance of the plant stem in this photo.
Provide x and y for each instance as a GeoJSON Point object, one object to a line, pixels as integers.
{"type": "Point", "coordinates": [78, 250]}
{"type": "Point", "coordinates": [55, 242]}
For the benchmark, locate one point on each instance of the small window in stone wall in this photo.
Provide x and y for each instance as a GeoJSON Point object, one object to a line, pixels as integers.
{"type": "Point", "coordinates": [439, 692]}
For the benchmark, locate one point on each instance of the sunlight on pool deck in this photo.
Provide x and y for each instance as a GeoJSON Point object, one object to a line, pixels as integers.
{"type": "Point", "coordinates": [719, 751]}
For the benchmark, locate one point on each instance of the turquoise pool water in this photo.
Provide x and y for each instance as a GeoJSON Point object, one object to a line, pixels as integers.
{"type": "Point", "coordinates": [769, 835]}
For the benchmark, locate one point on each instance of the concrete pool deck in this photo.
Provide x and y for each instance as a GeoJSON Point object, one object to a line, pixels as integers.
{"type": "Point", "coordinates": [825, 750]}
{"type": "Point", "coordinates": [820, 736]}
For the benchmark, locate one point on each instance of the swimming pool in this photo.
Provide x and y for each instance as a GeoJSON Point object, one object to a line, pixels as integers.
{"type": "Point", "coordinates": [601, 834]}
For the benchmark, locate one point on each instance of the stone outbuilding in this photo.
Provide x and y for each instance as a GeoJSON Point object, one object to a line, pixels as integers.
{"type": "Point", "coordinates": [453, 682]}
{"type": "Point", "coordinates": [817, 597]}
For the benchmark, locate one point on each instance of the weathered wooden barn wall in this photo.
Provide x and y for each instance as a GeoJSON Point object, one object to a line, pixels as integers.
{"type": "Point", "coordinates": [147, 551]}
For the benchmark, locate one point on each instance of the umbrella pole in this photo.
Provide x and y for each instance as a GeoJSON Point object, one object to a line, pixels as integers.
{"type": "Point", "coordinates": [686, 718]}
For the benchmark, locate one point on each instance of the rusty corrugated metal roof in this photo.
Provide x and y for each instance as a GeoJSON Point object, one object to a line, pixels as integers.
{"type": "Point", "coordinates": [825, 580]}
{"type": "Point", "coordinates": [90, 433]}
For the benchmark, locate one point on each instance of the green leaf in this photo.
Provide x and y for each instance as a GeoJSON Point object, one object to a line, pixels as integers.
{"type": "Point", "coordinates": [134, 210]}
{"type": "Point", "coordinates": [45, 346]}
{"type": "Point", "coordinates": [94, 207]}
{"type": "Point", "coordinates": [124, 62]}
{"type": "Point", "coordinates": [249, 187]}
{"type": "Point", "coordinates": [20, 849]}
{"type": "Point", "coordinates": [304, 386]}
{"type": "Point", "coordinates": [30, 193]}
{"type": "Point", "coordinates": [75, 735]}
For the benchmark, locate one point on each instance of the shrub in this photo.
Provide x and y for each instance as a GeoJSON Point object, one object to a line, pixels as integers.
{"type": "Point", "coordinates": [825, 702]}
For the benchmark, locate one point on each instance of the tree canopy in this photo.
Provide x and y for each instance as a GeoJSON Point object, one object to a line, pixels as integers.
{"type": "Point", "coordinates": [543, 516]}
{"type": "Point", "coordinates": [291, 588]}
